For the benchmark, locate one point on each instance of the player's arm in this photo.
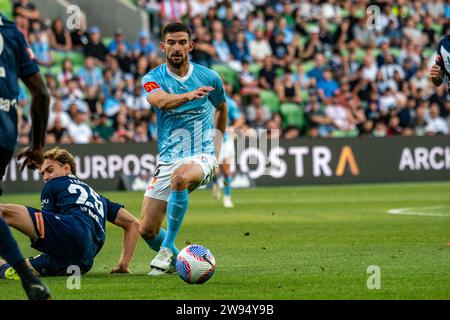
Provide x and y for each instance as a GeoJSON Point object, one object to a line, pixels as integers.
{"type": "Point", "coordinates": [437, 70]}
{"type": "Point", "coordinates": [220, 117]}
{"type": "Point", "coordinates": [436, 75]}
{"type": "Point", "coordinates": [29, 73]}
{"type": "Point", "coordinates": [165, 101]}
{"type": "Point", "coordinates": [130, 225]}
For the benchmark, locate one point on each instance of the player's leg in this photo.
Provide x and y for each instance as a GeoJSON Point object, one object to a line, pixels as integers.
{"type": "Point", "coordinates": [184, 177]}
{"type": "Point", "coordinates": [17, 217]}
{"type": "Point", "coordinates": [227, 179]}
{"type": "Point", "coordinates": [15, 262]}
{"type": "Point", "coordinates": [153, 212]}
{"type": "Point", "coordinates": [215, 185]}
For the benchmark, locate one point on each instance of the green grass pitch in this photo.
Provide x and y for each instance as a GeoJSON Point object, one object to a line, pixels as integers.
{"type": "Point", "coordinates": [287, 243]}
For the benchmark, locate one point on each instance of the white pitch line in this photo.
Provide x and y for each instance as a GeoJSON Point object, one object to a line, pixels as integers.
{"type": "Point", "coordinates": [420, 211]}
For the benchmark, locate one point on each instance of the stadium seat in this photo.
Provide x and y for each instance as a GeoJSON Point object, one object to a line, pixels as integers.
{"type": "Point", "coordinates": [345, 134]}
{"type": "Point", "coordinates": [254, 69]}
{"type": "Point", "coordinates": [292, 115]}
{"type": "Point", "coordinates": [270, 99]}
{"type": "Point", "coordinates": [228, 74]}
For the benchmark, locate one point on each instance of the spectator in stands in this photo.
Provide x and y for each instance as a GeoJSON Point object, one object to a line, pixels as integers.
{"type": "Point", "coordinates": [27, 10]}
{"type": "Point", "coordinates": [317, 71]}
{"type": "Point", "coordinates": [259, 122]}
{"type": "Point", "coordinates": [327, 87]}
{"type": "Point", "coordinates": [59, 37]}
{"type": "Point", "coordinates": [394, 128]}
{"type": "Point", "coordinates": [95, 48]}
{"type": "Point", "coordinates": [260, 47]}
{"type": "Point", "coordinates": [287, 89]}
{"type": "Point", "coordinates": [57, 112]}
{"type": "Point", "coordinates": [291, 133]}
{"type": "Point", "coordinates": [255, 104]}
{"type": "Point", "coordinates": [119, 38]}
{"type": "Point", "coordinates": [79, 35]}
{"type": "Point", "coordinates": [436, 124]}
{"type": "Point", "coordinates": [239, 48]}
{"type": "Point", "coordinates": [143, 45]}
{"type": "Point", "coordinates": [420, 122]}
{"type": "Point", "coordinates": [123, 129]}
{"type": "Point", "coordinates": [140, 134]}
{"type": "Point", "coordinates": [317, 118]}
{"type": "Point", "coordinates": [247, 81]}
{"type": "Point", "coordinates": [204, 51]}
{"type": "Point", "coordinates": [57, 131]}
{"type": "Point", "coordinates": [280, 50]}
{"type": "Point", "coordinates": [103, 129]}
{"type": "Point", "coordinates": [90, 75]}
{"type": "Point", "coordinates": [380, 129]}
{"type": "Point", "coordinates": [267, 75]}
{"type": "Point", "coordinates": [342, 118]}
{"type": "Point", "coordinates": [79, 131]}
{"type": "Point", "coordinates": [126, 63]}
{"type": "Point", "coordinates": [93, 102]}
{"type": "Point", "coordinates": [40, 45]}
{"type": "Point", "coordinates": [367, 129]}
{"type": "Point", "coordinates": [66, 73]}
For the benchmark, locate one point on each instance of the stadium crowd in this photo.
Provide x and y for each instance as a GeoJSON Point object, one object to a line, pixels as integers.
{"type": "Point", "coordinates": [307, 68]}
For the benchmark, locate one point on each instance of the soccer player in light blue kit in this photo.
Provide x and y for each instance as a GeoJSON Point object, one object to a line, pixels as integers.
{"type": "Point", "coordinates": [234, 121]}
{"type": "Point", "coordinates": [191, 113]}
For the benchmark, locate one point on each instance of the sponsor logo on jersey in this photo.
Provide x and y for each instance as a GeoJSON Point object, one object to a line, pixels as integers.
{"type": "Point", "coordinates": [150, 86]}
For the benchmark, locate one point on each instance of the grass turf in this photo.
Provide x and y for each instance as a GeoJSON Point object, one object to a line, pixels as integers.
{"type": "Point", "coordinates": [286, 243]}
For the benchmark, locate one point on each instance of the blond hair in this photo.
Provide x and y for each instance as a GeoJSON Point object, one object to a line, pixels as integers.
{"type": "Point", "coordinates": [63, 157]}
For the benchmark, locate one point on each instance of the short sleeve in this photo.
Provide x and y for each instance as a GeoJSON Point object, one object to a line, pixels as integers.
{"type": "Point", "coordinates": [112, 210]}
{"type": "Point", "coordinates": [218, 95]}
{"type": "Point", "coordinates": [27, 61]}
{"type": "Point", "coordinates": [151, 84]}
{"type": "Point", "coordinates": [439, 59]}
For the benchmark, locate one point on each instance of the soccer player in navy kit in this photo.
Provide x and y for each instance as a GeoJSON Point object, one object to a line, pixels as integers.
{"type": "Point", "coordinates": [17, 61]}
{"type": "Point", "coordinates": [70, 226]}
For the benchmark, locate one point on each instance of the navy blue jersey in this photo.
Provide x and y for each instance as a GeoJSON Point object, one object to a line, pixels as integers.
{"type": "Point", "coordinates": [16, 61]}
{"type": "Point", "coordinates": [443, 58]}
{"type": "Point", "coordinates": [69, 196]}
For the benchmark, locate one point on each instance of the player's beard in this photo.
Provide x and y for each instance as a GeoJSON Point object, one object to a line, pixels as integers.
{"type": "Point", "coordinates": [178, 61]}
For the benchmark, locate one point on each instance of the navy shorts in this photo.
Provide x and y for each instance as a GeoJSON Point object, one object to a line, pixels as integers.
{"type": "Point", "coordinates": [64, 240]}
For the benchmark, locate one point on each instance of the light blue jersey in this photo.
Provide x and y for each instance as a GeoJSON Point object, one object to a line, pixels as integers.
{"type": "Point", "coordinates": [187, 130]}
{"type": "Point", "coordinates": [233, 114]}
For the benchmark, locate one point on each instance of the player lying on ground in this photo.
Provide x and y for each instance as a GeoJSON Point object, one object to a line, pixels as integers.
{"type": "Point", "coordinates": [17, 61]}
{"type": "Point", "coordinates": [188, 98]}
{"type": "Point", "coordinates": [70, 227]}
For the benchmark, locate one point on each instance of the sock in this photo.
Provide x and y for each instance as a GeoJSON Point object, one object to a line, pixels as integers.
{"type": "Point", "coordinates": [176, 209]}
{"type": "Point", "coordinates": [227, 186]}
{"type": "Point", "coordinates": [8, 246]}
{"type": "Point", "coordinates": [9, 250]}
{"type": "Point", "coordinates": [156, 243]}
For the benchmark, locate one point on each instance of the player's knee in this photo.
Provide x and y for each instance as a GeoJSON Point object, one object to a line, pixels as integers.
{"type": "Point", "coordinates": [179, 181]}
{"type": "Point", "coordinates": [148, 233]}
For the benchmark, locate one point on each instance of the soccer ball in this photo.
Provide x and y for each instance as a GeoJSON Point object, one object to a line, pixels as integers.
{"type": "Point", "coordinates": [195, 264]}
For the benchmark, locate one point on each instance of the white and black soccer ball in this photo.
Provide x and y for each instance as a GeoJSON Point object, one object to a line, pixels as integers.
{"type": "Point", "coordinates": [195, 264]}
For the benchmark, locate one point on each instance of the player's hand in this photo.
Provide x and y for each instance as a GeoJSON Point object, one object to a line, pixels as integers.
{"type": "Point", "coordinates": [120, 269]}
{"type": "Point", "coordinates": [199, 93]}
{"type": "Point", "coordinates": [32, 158]}
{"type": "Point", "coordinates": [436, 72]}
